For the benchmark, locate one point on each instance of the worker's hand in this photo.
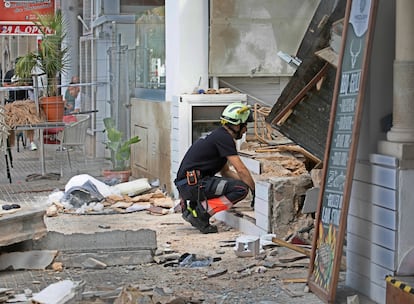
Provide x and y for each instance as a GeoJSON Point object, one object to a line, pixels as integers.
{"type": "Point", "coordinates": [253, 198]}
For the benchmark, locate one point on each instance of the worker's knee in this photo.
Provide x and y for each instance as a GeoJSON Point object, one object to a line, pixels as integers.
{"type": "Point", "coordinates": [235, 190]}
{"type": "Point", "coordinates": [238, 191]}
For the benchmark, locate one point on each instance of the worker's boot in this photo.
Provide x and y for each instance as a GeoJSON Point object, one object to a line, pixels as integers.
{"type": "Point", "coordinates": [198, 217]}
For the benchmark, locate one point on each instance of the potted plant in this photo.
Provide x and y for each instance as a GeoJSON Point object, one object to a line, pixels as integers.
{"type": "Point", "coordinates": [120, 151]}
{"type": "Point", "coordinates": [50, 59]}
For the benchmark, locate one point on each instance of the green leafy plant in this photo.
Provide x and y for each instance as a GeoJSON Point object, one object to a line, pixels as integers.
{"type": "Point", "coordinates": [121, 148]}
{"type": "Point", "coordinates": [51, 59]}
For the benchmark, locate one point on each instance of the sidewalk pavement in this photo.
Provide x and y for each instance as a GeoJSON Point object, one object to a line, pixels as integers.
{"type": "Point", "coordinates": [35, 193]}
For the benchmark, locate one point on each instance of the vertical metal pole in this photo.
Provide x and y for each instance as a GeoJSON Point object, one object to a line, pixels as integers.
{"type": "Point", "coordinates": [118, 80]}
{"type": "Point", "coordinates": [41, 150]}
{"type": "Point", "coordinates": [36, 93]}
{"type": "Point", "coordinates": [42, 153]}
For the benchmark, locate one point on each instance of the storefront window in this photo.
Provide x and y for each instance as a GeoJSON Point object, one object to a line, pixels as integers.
{"type": "Point", "coordinates": [150, 54]}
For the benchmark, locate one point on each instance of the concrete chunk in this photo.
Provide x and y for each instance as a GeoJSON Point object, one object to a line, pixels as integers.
{"type": "Point", "coordinates": [35, 259]}
{"type": "Point", "coordinates": [57, 293]}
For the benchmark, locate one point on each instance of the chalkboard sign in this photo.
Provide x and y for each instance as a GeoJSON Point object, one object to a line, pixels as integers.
{"type": "Point", "coordinates": [341, 148]}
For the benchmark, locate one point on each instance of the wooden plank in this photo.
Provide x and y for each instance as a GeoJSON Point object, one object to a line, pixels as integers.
{"type": "Point", "coordinates": [301, 94]}
{"type": "Point", "coordinates": [291, 246]}
{"type": "Point", "coordinates": [283, 148]}
{"type": "Point", "coordinates": [295, 280]}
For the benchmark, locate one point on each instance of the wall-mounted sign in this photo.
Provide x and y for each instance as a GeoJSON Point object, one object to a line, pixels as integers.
{"type": "Point", "coordinates": [341, 148]}
{"type": "Point", "coordinates": [20, 29]}
{"type": "Point", "coordinates": [24, 11]}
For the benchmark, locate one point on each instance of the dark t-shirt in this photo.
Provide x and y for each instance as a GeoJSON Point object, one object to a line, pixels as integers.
{"type": "Point", "coordinates": [14, 95]}
{"type": "Point", "coordinates": [208, 154]}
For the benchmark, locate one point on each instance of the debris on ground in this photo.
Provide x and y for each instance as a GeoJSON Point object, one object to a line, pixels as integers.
{"type": "Point", "coordinates": [57, 293]}
{"type": "Point", "coordinates": [33, 259]}
{"type": "Point", "coordinates": [85, 194]}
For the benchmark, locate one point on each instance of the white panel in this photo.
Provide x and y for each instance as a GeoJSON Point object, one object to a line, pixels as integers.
{"type": "Point", "coordinates": [378, 195]}
{"type": "Point", "coordinates": [383, 256]}
{"type": "Point", "coordinates": [384, 217]}
{"type": "Point", "coordinates": [262, 221]}
{"type": "Point", "coordinates": [385, 177]}
{"type": "Point", "coordinates": [175, 147]}
{"type": "Point", "coordinates": [377, 254]}
{"type": "Point", "coordinates": [261, 206]}
{"type": "Point", "coordinates": [358, 282]}
{"type": "Point", "coordinates": [378, 274]}
{"type": "Point", "coordinates": [383, 237]}
{"type": "Point", "coordinates": [252, 164]}
{"type": "Point", "coordinates": [174, 108]}
{"type": "Point", "coordinates": [361, 190]}
{"type": "Point", "coordinates": [362, 172]}
{"type": "Point", "coordinates": [360, 208]}
{"type": "Point", "coordinates": [384, 160]}
{"type": "Point", "coordinates": [365, 287]}
{"type": "Point", "coordinates": [175, 126]}
{"type": "Point", "coordinates": [377, 293]}
{"type": "Point", "coordinates": [358, 263]}
{"type": "Point", "coordinates": [384, 197]}
{"type": "Point", "coordinates": [263, 189]}
{"type": "Point", "coordinates": [359, 226]}
{"type": "Point", "coordinates": [358, 245]}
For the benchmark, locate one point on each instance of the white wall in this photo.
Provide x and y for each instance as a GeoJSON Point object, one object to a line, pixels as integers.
{"type": "Point", "coordinates": [186, 26]}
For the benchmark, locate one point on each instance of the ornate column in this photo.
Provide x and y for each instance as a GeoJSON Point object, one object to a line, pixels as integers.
{"type": "Point", "coordinates": [400, 139]}
{"type": "Point", "coordinates": [403, 106]}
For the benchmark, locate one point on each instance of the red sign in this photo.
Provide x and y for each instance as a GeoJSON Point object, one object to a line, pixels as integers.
{"type": "Point", "coordinates": [26, 10]}
{"type": "Point", "coordinates": [20, 29]}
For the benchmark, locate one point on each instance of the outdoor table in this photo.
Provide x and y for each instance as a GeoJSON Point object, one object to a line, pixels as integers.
{"type": "Point", "coordinates": [41, 127]}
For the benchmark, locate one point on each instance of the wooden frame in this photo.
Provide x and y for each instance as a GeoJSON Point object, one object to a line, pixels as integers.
{"type": "Point", "coordinates": [341, 148]}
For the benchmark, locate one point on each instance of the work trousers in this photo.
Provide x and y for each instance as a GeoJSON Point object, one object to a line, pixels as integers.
{"type": "Point", "coordinates": [220, 193]}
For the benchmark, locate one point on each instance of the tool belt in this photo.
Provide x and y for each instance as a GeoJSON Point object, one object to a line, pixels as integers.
{"type": "Point", "coordinates": [193, 177]}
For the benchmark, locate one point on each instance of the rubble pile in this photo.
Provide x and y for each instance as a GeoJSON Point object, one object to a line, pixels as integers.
{"type": "Point", "coordinates": [155, 201]}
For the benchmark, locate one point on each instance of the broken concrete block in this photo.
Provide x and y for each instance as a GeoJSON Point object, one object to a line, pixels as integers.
{"type": "Point", "coordinates": [311, 200]}
{"type": "Point", "coordinates": [34, 259]}
{"type": "Point", "coordinates": [247, 246]}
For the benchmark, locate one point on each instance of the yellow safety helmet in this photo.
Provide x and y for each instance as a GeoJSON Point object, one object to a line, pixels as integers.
{"type": "Point", "coordinates": [236, 113]}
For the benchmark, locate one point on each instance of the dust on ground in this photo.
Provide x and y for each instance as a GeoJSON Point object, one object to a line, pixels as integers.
{"type": "Point", "coordinates": [228, 279]}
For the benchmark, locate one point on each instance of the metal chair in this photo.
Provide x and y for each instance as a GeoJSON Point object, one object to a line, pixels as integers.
{"type": "Point", "coordinates": [73, 136]}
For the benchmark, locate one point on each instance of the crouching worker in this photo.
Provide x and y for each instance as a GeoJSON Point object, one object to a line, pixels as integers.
{"type": "Point", "coordinates": [202, 193]}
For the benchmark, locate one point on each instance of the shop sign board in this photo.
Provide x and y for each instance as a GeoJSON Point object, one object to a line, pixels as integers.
{"type": "Point", "coordinates": [341, 148]}
{"type": "Point", "coordinates": [24, 11]}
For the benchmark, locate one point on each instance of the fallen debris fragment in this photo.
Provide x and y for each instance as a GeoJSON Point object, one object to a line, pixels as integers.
{"type": "Point", "coordinates": [295, 280]}
{"type": "Point", "coordinates": [216, 273]}
{"type": "Point", "coordinates": [131, 294]}
{"type": "Point", "coordinates": [291, 246]}
{"type": "Point", "coordinates": [57, 293]}
{"type": "Point", "coordinates": [34, 259]}
{"type": "Point", "coordinates": [191, 260]}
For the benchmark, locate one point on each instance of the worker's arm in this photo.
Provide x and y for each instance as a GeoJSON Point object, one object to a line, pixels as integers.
{"type": "Point", "coordinates": [242, 173]}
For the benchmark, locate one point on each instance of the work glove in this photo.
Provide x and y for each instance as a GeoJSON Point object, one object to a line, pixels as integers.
{"type": "Point", "coordinates": [253, 197]}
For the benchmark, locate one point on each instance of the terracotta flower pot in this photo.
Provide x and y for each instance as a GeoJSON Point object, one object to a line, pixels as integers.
{"type": "Point", "coordinates": [122, 176]}
{"type": "Point", "coordinates": [53, 107]}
